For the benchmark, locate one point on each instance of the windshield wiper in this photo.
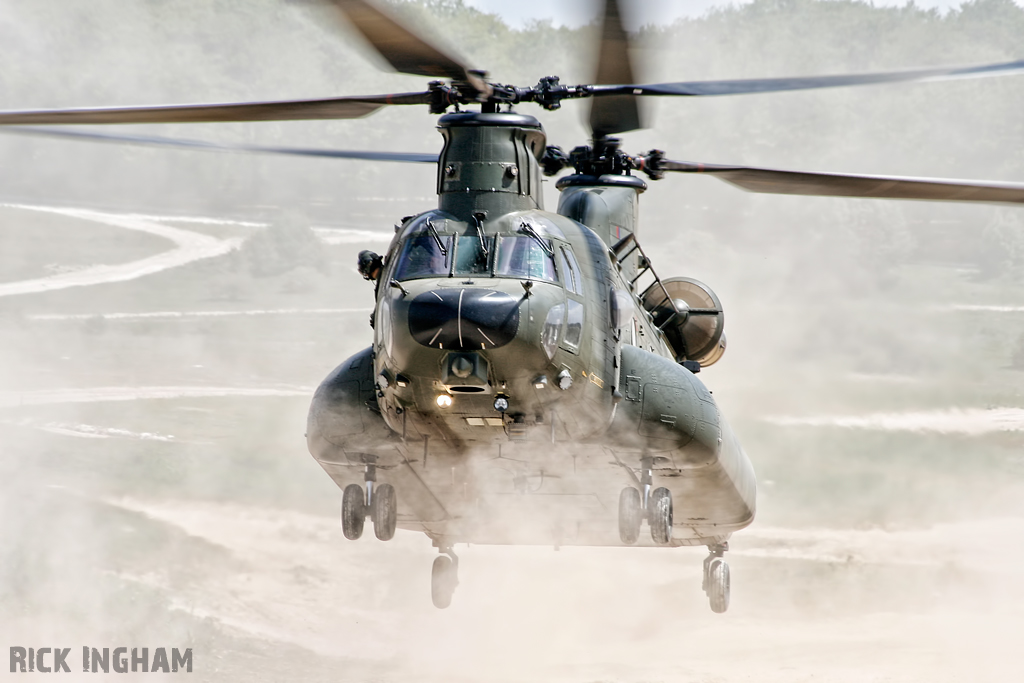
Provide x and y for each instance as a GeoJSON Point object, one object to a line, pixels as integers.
{"type": "Point", "coordinates": [479, 218]}
{"type": "Point", "coordinates": [530, 231]}
{"type": "Point", "coordinates": [437, 238]}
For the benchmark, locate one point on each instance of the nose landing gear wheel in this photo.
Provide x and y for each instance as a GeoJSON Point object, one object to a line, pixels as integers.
{"type": "Point", "coordinates": [444, 577]}
{"type": "Point", "coordinates": [631, 515]}
{"type": "Point", "coordinates": [385, 512]}
{"type": "Point", "coordinates": [716, 578]}
{"type": "Point", "coordinates": [718, 586]}
{"type": "Point", "coordinates": [660, 519]}
{"type": "Point", "coordinates": [353, 511]}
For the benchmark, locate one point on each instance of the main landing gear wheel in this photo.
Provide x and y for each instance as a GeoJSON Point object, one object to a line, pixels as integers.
{"type": "Point", "coordinates": [380, 504]}
{"type": "Point", "coordinates": [716, 580]}
{"type": "Point", "coordinates": [353, 511]}
{"type": "Point", "coordinates": [659, 510]}
{"type": "Point", "coordinates": [444, 577]}
{"type": "Point", "coordinates": [384, 512]}
{"type": "Point", "coordinates": [631, 514]}
{"type": "Point", "coordinates": [654, 506]}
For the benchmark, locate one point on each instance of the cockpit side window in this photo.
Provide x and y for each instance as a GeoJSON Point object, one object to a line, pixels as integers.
{"type": "Point", "coordinates": [571, 271]}
{"type": "Point", "coordinates": [471, 257]}
{"type": "Point", "coordinates": [563, 268]}
{"type": "Point", "coordinates": [424, 255]}
{"type": "Point", "coordinates": [526, 258]}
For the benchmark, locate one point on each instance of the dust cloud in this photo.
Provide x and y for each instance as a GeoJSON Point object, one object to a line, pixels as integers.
{"type": "Point", "coordinates": [155, 490]}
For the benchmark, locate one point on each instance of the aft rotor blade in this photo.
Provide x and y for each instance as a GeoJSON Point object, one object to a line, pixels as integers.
{"type": "Point", "coordinates": [767, 85]}
{"type": "Point", "coordinates": [616, 113]}
{"type": "Point", "coordinates": [775, 181]}
{"type": "Point", "coordinates": [159, 141]}
{"type": "Point", "coordinates": [287, 110]}
{"type": "Point", "coordinates": [403, 49]}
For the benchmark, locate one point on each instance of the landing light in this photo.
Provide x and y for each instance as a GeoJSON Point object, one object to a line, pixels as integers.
{"type": "Point", "coordinates": [444, 401]}
{"type": "Point", "coordinates": [501, 404]}
{"type": "Point", "coordinates": [540, 381]}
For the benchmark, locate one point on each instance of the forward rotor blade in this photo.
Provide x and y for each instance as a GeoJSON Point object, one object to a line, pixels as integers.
{"type": "Point", "coordinates": [616, 113]}
{"type": "Point", "coordinates": [766, 85]}
{"type": "Point", "coordinates": [288, 110]}
{"type": "Point", "coordinates": [403, 49]}
{"type": "Point", "coordinates": [775, 181]}
{"type": "Point", "coordinates": [158, 141]}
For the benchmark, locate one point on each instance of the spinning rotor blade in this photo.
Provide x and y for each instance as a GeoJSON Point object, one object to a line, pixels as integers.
{"type": "Point", "coordinates": [775, 181]}
{"type": "Point", "coordinates": [405, 51]}
{"type": "Point", "coordinates": [287, 110]}
{"type": "Point", "coordinates": [617, 113]}
{"type": "Point", "coordinates": [766, 85]}
{"type": "Point", "coordinates": [157, 141]}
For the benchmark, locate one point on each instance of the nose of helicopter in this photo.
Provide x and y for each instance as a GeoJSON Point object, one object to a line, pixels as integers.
{"type": "Point", "coordinates": [463, 319]}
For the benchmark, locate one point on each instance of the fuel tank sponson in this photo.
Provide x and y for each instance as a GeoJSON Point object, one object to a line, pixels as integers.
{"type": "Point", "coordinates": [668, 412]}
{"type": "Point", "coordinates": [344, 420]}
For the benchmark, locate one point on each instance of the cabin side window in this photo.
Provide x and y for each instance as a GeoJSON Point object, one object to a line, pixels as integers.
{"type": "Point", "coordinates": [424, 254]}
{"type": "Point", "coordinates": [552, 329]}
{"type": "Point", "coordinates": [573, 325]}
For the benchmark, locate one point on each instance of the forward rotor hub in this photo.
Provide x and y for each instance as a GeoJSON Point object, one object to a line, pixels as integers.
{"type": "Point", "coordinates": [548, 93]}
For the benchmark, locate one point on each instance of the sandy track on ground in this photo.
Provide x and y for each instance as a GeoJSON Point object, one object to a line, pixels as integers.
{"type": "Point", "coordinates": [189, 247]}
{"type": "Point", "coordinates": [970, 421]}
{"type": "Point", "coordinates": [174, 315]}
{"type": "Point", "coordinates": [336, 236]}
{"type": "Point", "coordinates": [88, 431]}
{"type": "Point", "coordinates": [13, 399]}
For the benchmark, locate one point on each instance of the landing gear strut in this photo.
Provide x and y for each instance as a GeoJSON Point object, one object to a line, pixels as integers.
{"type": "Point", "coordinates": [444, 577]}
{"type": "Point", "coordinates": [380, 504]}
{"type": "Point", "coordinates": [654, 506]}
{"type": "Point", "coordinates": [716, 578]}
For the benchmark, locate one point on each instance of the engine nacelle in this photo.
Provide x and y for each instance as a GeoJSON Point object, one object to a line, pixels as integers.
{"type": "Point", "coordinates": [690, 314]}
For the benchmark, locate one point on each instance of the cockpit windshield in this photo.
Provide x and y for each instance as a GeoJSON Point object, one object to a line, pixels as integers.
{"type": "Point", "coordinates": [431, 254]}
{"type": "Point", "coordinates": [471, 255]}
{"type": "Point", "coordinates": [525, 257]}
{"type": "Point", "coordinates": [425, 254]}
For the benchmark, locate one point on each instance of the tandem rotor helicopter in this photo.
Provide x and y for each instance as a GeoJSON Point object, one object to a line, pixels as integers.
{"type": "Point", "coordinates": [531, 379]}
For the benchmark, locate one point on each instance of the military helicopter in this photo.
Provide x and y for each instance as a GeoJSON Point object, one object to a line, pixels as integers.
{"type": "Point", "coordinates": [531, 378]}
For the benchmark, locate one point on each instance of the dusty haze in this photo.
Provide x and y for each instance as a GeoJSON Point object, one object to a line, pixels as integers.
{"type": "Point", "coordinates": [167, 314]}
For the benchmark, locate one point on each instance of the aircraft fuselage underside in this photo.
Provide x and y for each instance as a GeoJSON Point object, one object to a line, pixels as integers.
{"type": "Point", "coordinates": [535, 489]}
